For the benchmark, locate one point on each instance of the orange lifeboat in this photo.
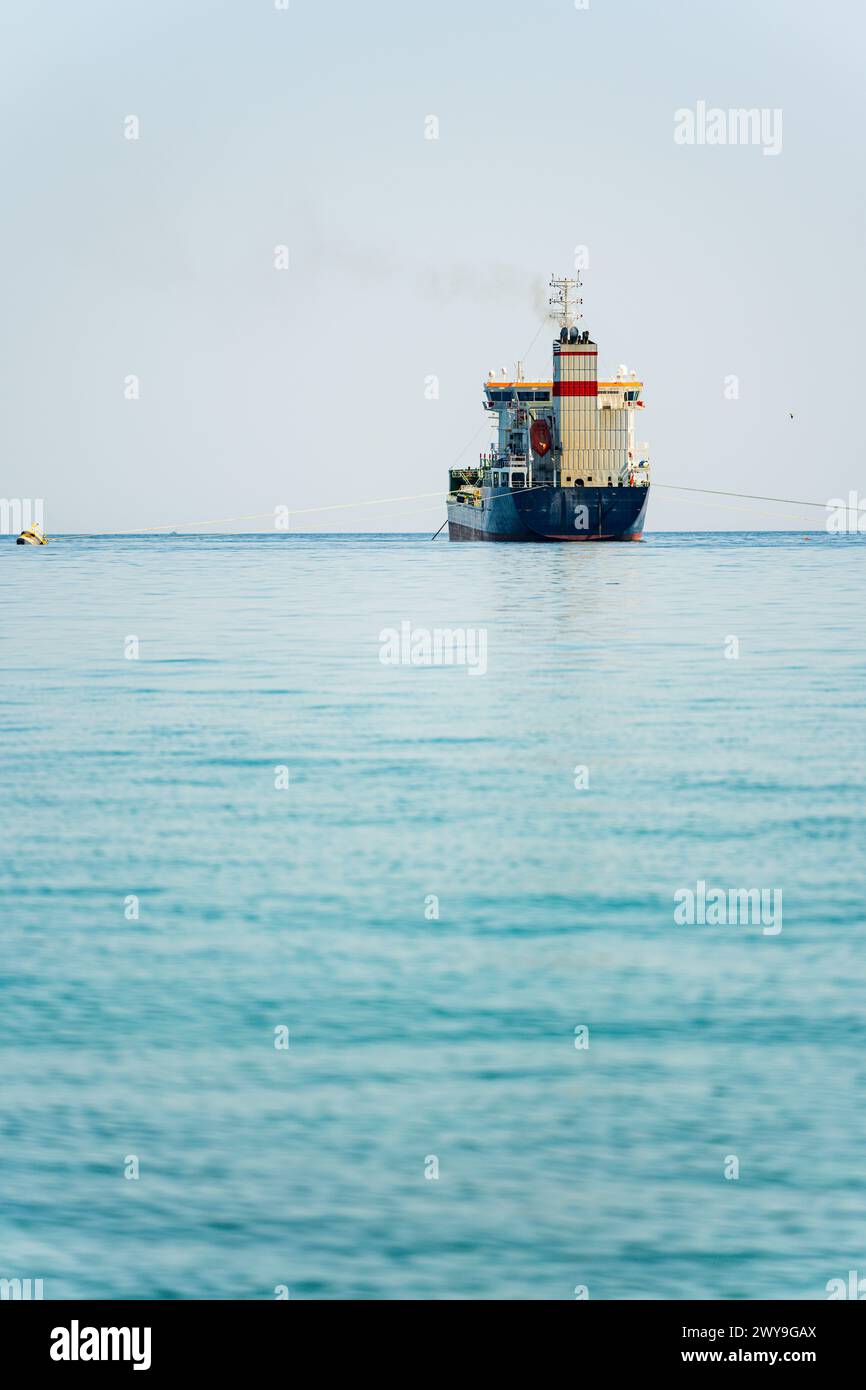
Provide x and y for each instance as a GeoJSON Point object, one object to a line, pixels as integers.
{"type": "Point", "coordinates": [539, 437]}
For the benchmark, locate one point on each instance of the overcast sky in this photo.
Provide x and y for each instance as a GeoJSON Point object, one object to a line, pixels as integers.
{"type": "Point", "coordinates": [412, 257]}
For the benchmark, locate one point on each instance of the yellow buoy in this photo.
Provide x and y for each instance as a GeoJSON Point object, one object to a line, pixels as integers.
{"type": "Point", "coordinates": [34, 535]}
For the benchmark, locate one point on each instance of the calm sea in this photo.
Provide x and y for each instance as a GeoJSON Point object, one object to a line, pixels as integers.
{"type": "Point", "coordinates": [229, 826]}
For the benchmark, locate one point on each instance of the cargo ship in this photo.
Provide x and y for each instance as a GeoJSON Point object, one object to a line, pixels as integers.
{"type": "Point", "coordinates": [564, 465]}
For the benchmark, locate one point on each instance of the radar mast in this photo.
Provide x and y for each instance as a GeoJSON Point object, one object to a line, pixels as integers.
{"type": "Point", "coordinates": [564, 301]}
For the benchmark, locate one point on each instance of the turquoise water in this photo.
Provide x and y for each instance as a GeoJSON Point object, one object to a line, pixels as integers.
{"type": "Point", "coordinates": [410, 1036]}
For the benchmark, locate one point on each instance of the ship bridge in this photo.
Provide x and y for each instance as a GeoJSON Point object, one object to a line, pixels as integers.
{"type": "Point", "coordinates": [623, 391]}
{"type": "Point", "coordinates": [502, 393]}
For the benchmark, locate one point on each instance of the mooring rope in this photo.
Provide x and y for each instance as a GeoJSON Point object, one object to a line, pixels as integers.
{"type": "Point", "coordinates": [419, 496]}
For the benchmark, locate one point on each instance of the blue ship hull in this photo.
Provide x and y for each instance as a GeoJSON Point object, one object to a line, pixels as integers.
{"type": "Point", "coordinates": [551, 514]}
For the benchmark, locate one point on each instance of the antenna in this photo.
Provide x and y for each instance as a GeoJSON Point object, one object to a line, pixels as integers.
{"type": "Point", "coordinates": [564, 301]}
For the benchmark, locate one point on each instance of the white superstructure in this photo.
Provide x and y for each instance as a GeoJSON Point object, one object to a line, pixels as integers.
{"type": "Point", "coordinates": [591, 422]}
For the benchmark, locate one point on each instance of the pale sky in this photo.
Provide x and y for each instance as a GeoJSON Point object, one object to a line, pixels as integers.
{"type": "Point", "coordinates": [409, 257]}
